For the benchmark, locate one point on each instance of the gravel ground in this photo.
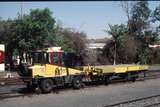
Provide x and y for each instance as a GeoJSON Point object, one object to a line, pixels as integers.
{"type": "Point", "coordinates": [141, 103]}
{"type": "Point", "coordinates": [88, 97]}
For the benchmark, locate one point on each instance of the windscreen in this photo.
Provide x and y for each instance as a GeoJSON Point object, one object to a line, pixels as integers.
{"type": "Point", "coordinates": [39, 57]}
{"type": "Point", "coordinates": [71, 60]}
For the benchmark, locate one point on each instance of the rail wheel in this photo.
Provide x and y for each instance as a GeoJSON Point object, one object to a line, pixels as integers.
{"type": "Point", "coordinates": [77, 83]}
{"type": "Point", "coordinates": [46, 85]}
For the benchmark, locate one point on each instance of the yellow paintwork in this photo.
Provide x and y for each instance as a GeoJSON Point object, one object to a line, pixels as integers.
{"type": "Point", "coordinates": [48, 70]}
{"type": "Point", "coordinates": [115, 68]}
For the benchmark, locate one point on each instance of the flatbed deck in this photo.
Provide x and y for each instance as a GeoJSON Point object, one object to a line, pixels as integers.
{"type": "Point", "coordinates": [123, 68]}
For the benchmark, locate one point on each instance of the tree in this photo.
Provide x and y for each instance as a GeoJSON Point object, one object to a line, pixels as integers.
{"type": "Point", "coordinates": [139, 29]}
{"type": "Point", "coordinates": [127, 6]}
{"type": "Point", "coordinates": [114, 48]}
{"type": "Point", "coordinates": [38, 30]}
{"type": "Point", "coordinates": [129, 49]}
{"type": "Point", "coordinates": [34, 31]}
{"type": "Point", "coordinates": [139, 21]}
{"type": "Point", "coordinates": [156, 18]}
{"type": "Point", "coordinates": [70, 40]}
{"type": "Point", "coordinates": [156, 14]}
{"type": "Point", "coordinates": [7, 35]}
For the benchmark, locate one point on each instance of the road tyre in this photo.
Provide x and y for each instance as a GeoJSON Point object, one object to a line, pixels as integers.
{"type": "Point", "coordinates": [46, 85]}
{"type": "Point", "coordinates": [107, 80]}
{"type": "Point", "coordinates": [77, 83]}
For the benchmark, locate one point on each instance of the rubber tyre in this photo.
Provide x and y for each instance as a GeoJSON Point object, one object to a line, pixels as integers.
{"type": "Point", "coordinates": [46, 85]}
{"type": "Point", "coordinates": [107, 80]}
{"type": "Point", "coordinates": [77, 83]}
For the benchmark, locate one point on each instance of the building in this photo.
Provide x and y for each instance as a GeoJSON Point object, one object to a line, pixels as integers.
{"type": "Point", "coordinates": [95, 45]}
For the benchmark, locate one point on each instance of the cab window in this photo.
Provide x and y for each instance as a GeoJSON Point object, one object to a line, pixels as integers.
{"type": "Point", "coordinates": [55, 58]}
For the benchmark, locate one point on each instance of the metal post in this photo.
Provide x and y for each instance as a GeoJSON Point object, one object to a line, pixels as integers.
{"type": "Point", "coordinates": [115, 54]}
{"type": "Point", "coordinates": [21, 10]}
{"type": "Point", "coordinates": [144, 74]}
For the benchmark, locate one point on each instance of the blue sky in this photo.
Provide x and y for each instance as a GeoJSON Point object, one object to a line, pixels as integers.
{"type": "Point", "coordinates": [91, 17]}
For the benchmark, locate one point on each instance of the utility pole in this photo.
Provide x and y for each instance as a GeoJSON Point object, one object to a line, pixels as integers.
{"type": "Point", "coordinates": [21, 10]}
{"type": "Point", "coordinates": [115, 52]}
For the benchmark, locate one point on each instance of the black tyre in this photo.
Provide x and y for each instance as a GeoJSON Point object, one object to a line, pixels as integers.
{"type": "Point", "coordinates": [77, 83]}
{"type": "Point", "coordinates": [107, 80]}
{"type": "Point", "coordinates": [46, 85]}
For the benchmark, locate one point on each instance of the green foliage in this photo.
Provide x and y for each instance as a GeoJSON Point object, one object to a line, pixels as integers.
{"type": "Point", "coordinates": [156, 14]}
{"type": "Point", "coordinates": [139, 29]}
{"type": "Point", "coordinates": [38, 30]}
{"type": "Point", "coordinates": [30, 32]}
{"type": "Point", "coordinates": [156, 18]}
{"type": "Point", "coordinates": [35, 30]}
{"type": "Point", "coordinates": [140, 11]}
{"type": "Point", "coordinates": [70, 40]}
{"type": "Point", "coordinates": [143, 56]}
{"type": "Point", "coordinates": [118, 33]}
{"type": "Point", "coordinates": [132, 41]}
{"type": "Point", "coordinates": [140, 14]}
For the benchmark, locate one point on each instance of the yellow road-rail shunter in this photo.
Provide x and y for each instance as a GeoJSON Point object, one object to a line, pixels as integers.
{"type": "Point", "coordinates": [53, 67]}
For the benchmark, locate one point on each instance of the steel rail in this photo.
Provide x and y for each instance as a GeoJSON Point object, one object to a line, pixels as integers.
{"type": "Point", "coordinates": [152, 105]}
{"type": "Point", "coordinates": [12, 80]}
{"type": "Point", "coordinates": [19, 80]}
{"type": "Point", "coordinates": [135, 100]}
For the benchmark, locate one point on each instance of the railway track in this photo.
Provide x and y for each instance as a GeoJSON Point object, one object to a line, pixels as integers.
{"type": "Point", "coordinates": [18, 81]}
{"type": "Point", "coordinates": [149, 101]}
{"type": "Point", "coordinates": [11, 81]}
{"type": "Point", "coordinates": [6, 95]}
{"type": "Point", "coordinates": [10, 95]}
